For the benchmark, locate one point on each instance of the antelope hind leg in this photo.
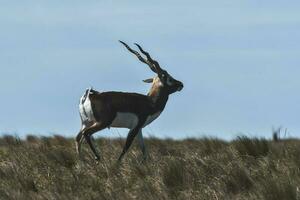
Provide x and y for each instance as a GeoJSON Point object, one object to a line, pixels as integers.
{"type": "Point", "coordinates": [87, 135]}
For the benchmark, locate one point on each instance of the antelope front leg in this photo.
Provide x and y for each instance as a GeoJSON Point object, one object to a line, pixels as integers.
{"type": "Point", "coordinates": [131, 135]}
{"type": "Point", "coordinates": [142, 144]}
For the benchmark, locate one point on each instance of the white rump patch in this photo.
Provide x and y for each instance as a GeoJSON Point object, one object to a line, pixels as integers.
{"type": "Point", "coordinates": [86, 111]}
{"type": "Point", "coordinates": [125, 120]}
{"type": "Point", "coordinates": [151, 118]}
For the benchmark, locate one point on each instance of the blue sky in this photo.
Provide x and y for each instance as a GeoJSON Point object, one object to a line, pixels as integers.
{"type": "Point", "coordinates": [239, 61]}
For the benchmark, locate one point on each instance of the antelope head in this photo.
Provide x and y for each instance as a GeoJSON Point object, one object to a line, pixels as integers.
{"type": "Point", "coordinates": [163, 81]}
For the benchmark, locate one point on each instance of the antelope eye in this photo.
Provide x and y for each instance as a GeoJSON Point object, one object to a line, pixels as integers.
{"type": "Point", "coordinates": [163, 77]}
{"type": "Point", "coordinates": [170, 81]}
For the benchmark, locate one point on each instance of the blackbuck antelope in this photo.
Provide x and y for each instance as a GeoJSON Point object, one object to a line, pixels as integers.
{"type": "Point", "coordinates": [100, 110]}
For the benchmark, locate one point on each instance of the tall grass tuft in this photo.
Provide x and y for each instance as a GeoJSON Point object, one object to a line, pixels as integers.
{"type": "Point", "coordinates": [173, 175]}
{"type": "Point", "coordinates": [279, 189]}
{"type": "Point", "coordinates": [251, 146]}
{"type": "Point", "coordinates": [238, 180]}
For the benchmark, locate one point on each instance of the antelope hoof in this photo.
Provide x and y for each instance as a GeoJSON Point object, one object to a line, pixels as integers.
{"type": "Point", "coordinates": [97, 158]}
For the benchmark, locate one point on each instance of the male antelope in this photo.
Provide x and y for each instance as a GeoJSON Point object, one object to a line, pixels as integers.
{"type": "Point", "coordinates": [100, 110]}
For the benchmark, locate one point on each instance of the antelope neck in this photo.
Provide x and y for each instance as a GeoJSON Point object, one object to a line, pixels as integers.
{"type": "Point", "coordinates": [159, 97]}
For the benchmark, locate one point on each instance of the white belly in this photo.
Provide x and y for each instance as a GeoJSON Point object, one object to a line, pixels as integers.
{"type": "Point", "coordinates": [125, 120]}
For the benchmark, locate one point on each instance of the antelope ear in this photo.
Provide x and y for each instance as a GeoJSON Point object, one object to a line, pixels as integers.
{"type": "Point", "coordinates": [149, 80]}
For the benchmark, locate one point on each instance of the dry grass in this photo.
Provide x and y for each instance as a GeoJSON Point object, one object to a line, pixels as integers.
{"type": "Point", "coordinates": [48, 168]}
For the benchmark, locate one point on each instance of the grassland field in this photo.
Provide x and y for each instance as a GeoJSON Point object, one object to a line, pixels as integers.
{"type": "Point", "coordinates": [207, 168]}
